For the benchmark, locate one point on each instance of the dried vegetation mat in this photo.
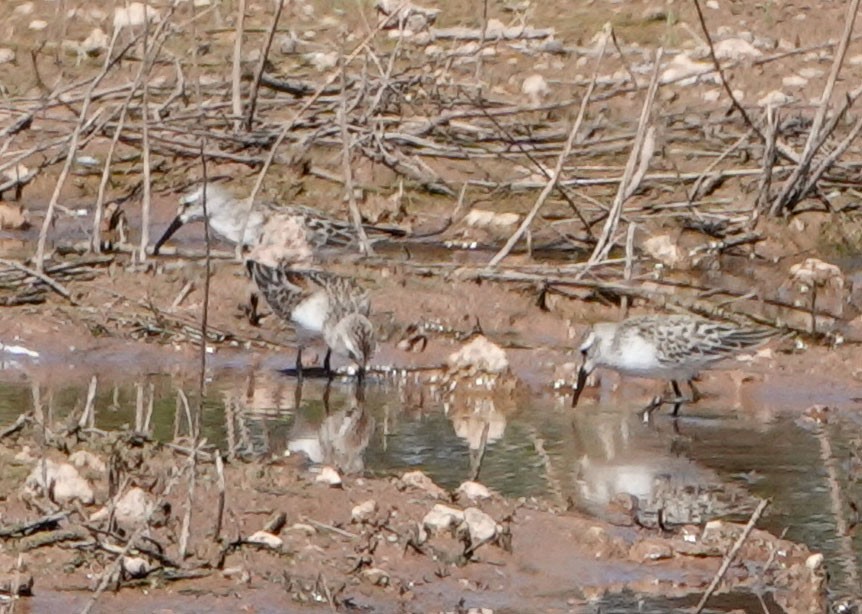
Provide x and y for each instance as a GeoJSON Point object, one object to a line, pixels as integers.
{"type": "Point", "coordinates": [646, 166]}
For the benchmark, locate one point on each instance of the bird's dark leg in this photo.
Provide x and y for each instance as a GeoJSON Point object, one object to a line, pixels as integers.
{"type": "Point", "coordinates": [678, 400]}
{"type": "Point", "coordinates": [360, 385]}
{"type": "Point", "coordinates": [299, 364]}
{"type": "Point", "coordinates": [253, 315]}
{"type": "Point", "coordinates": [249, 309]}
{"type": "Point", "coordinates": [297, 395]}
{"type": "Point", "coordinates": [326, 366]}
{"type": "Point", "coordinates": [326, 396]}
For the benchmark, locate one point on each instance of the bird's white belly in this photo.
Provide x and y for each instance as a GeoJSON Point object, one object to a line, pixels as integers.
{"type": "Point", "coordinates": [309, 445]}
{"type": "Point", "coordinates": [638, 358]}
{"type": "Point", "coordinates": [311, 313]}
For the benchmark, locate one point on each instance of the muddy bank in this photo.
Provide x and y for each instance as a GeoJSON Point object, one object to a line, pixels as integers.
{"type": "Point", "coordinates": [399, 543]}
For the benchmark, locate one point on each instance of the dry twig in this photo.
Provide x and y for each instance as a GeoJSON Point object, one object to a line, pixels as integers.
{"type": "Point", "coordinates": [801, 181]}
{"type": "Point", "coordinates": [555, 176]}
{"type": "Point", "coordinates": [634, 172]}
{"type": "Point", "coordinates": [255, 84]}
{"type": "Point", "coordinates": [728, 558]}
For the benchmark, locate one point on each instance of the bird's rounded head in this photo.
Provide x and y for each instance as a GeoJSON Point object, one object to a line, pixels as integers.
{"type": "Point", "coordinates": [354, 337]}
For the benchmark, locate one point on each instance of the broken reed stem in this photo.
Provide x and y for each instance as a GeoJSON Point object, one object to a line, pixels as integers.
{"type": "Point", "coordinates": [627, 269]}
{"type": "Point", "coordinates": [139, 406]}
{"type": "Point", "coordinates": [736, 104]}
{"type": "Point", "coordinates": [355, 215]}
{"type": "Point", "coordinates": [206, 300]}
{"type": "Point", "coordinates": [151, 402]}
{"type": "Point", "coordinates": [236, 73]}
{"type": "Point", "coordinates": [185, 534]}
{"type": "Point", "coordinates": [791, 191]}
{"type": "Point", "coordinates": [143, 69]}
{"type": "Point", "coordinates": [555, 176]}
{"type": "Point", "coordinates": [183, 400]}
{"type": "Point", "coordinates": [231, 416]}
{"type": "Point", "coordinates": [385, 78]}
{"type": "Point", "coordinates": [177, 416]}
{"type": "Point", "coordinates": [185, 531]}
{"type": "Point", "coordinates": [552, 480]}
{"type": "Point", "coordinates": [275, 524]}
{"type": "Point", "coordinates": [728, 559]}
{"type": "Point", "coordinates": [255, 84]}
{"type": "Point", "coordinates": [70, 155]}
{"type": "Point", "coordinates": [289, 125]}
{"type": "Point", "coordinates": [826, 96]}
{"type": "Point", "coordinates": [143, 406]}
{"type": "Point", "coordinates": [96, 239]}
{"type": "Point", "coordinates": [43, 418]}
{"type": "Point", "coordinates": [480, 453]}
{"type": "Point", "coordinates": [88, 416]}
{"type": "Point", "coordinates": [518, 144]}
{"type": "Point", "coordinates": [481, 48]}
{"type": "Point", "coordinates": [625, 64]}
{"type": "Point", "coordinates": [219, 463]}
{"type": "Point", "coordinates": [41, 276]}
{"type": "Point", "coordinates": [38, 410]}
{"type": "Point", "coordinates": [769, 160]}
{"type": "Point", "coordinates": [196, 69]}
{"type": "Point", "coordinates": [114, 569]}
{"type": "Point", "coordinates": [695, 191]}
{"type": "Point", "coordinates": [837, 501]}
{"type": "Point", "coordinates": [145, 138]}
{"type": "Point", "coordinates": [20, 422]}
{"type": "Point", "coordinates": [635, 170]}
{"type": "Point", "coordinates": [561, 278]}
{"type": "Point", "coordinates": [830, 159]}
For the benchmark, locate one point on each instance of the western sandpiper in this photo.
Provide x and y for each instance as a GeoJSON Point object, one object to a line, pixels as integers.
{"type": "Point", "coordinates": [226, 215]}
{"type": "Point", "coordinates": [340, 440]}
{"type": "Point", "coordinates": [674, 348]}
{"type": "Point", "coordinates": [320, 303]}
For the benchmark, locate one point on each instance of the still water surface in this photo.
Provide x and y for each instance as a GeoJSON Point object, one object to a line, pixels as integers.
{"type": "Point", "coordinates": [712, 462]}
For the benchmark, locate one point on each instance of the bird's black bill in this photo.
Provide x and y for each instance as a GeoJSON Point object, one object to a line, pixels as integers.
{"type": "Point", "coordinates": [579, 386]}
{"type": "Point", "coordinates": [175, 226]}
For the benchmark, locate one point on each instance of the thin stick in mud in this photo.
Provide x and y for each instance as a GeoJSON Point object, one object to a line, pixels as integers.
{"type": "Point", "coordinates": [730, 556]}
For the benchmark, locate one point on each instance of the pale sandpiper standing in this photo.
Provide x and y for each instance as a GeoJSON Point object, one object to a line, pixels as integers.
{"type": "Point", "coordinates": [270, 227]}
{"type": "Point", "coordinates": [226, 215]}
{"type": "Point", "coordinates": [674, 348]}
{"type": "Point", "coordinates": [320, 303]}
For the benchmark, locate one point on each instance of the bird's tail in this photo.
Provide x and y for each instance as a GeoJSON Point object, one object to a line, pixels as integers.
{"type": "Point", "coordinates": [745, 338]}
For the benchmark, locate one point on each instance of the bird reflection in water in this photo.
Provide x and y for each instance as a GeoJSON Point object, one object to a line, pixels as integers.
{"type": "Point", "coordinates": [341, 439]}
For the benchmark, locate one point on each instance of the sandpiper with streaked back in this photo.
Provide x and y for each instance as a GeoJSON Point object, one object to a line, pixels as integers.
{"type": "Point", "coordinates": [320, 303]}
{"type": "Point", "coordinates": [674, 348]}
{"type": "Point", "coordinates": [226, 215]}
